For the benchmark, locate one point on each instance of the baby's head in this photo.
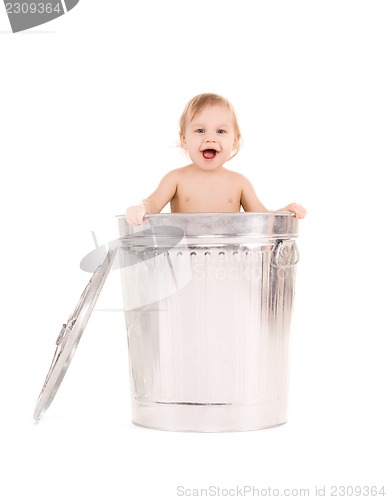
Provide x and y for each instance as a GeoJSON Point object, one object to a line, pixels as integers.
{"type": "Point", "coordinates": [198, 103]}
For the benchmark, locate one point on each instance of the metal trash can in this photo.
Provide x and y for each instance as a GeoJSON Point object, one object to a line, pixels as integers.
{"type": "Point", "coordinates": [208, 320]}
{"type": "Point", "coordinates": [208, 300]}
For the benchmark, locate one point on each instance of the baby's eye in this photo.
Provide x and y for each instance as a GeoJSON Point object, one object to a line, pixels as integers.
{"type": "Point", "coordinates": [221, 131]}
{"type": "Point", "coordinates": [199, 131]}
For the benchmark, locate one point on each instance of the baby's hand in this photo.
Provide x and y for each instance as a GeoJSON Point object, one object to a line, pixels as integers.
{"type": "Point", "coordinates": [299, 210]}
{"type": "Point", "coordinates": [135, 215]}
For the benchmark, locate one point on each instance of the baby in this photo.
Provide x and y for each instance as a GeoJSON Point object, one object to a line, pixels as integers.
{"type": "Point", "coordinates": [210, 134]}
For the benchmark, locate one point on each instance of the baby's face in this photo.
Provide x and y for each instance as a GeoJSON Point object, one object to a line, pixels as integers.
{"type": "Point", "coordinates": [210, 137]}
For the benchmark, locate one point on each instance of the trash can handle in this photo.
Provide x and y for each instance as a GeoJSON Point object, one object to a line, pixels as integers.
{"type": "Point", "coordinates": [285, 254]}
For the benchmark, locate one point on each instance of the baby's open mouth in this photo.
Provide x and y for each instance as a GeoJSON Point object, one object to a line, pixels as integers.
{"type": "Point", "coordinates": [209, 153]}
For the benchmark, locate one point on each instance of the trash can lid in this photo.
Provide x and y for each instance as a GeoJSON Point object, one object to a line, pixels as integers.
{"type": "Point", "coordinates": [71, 333]}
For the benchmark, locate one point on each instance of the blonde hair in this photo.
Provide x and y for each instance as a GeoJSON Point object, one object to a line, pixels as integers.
{"type": "Point", "coordinates": [202, 101]}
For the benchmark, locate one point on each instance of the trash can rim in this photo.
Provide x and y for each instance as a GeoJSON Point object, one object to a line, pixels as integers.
{"type": "Point", "coordinates": [216, 225]}
{"type": "Point", "coordinates": [216, 214]}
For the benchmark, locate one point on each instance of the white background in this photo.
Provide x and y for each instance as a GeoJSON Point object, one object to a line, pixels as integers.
{"type": "Point", "coordinates": [88, 124]}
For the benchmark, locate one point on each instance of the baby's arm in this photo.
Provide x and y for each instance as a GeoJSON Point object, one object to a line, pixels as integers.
{"type": "Point", "coordinates": [249, 199]}
{"type": "Point", "coordinates": [155, 202]}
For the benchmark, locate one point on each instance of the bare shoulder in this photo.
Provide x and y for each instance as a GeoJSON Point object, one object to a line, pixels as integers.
{"type": "Point", "coordinates": [238, 178]}
{"type": "Point", "coordinates": [172, 177]}
{"type": "Point", "coordinates": [177, 173]}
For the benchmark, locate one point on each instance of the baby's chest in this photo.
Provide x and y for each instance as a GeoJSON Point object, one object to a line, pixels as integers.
{"type": "Point", "coordinates": [209, 195]}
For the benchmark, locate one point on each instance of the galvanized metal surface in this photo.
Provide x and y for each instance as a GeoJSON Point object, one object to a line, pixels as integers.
{"type": "Point", "coordinates": [208, 321]}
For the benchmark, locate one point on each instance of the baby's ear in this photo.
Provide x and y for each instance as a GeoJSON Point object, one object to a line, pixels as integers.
{"type": "Point", "coordinates": [183, 142]}
{"type": "Point", "coordinates": [237, 143]}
